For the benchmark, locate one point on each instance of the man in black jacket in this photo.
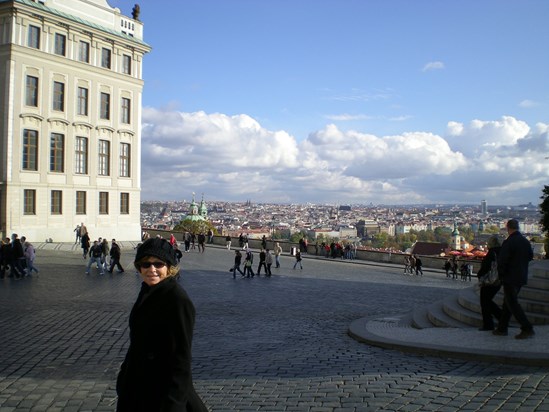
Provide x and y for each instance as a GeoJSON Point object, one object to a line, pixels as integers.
{"type": "Point", "coordinates": [513, 259]}
{"type": "Point", "coordinates": [115, 257]}
{"type": "Point", "coordinates": [18, 257]}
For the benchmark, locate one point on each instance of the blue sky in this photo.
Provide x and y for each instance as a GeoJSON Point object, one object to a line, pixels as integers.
{"type": "Point", "coordinates": [346, 101]}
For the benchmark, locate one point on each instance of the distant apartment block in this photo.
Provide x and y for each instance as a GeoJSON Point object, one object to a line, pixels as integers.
{"type": "Point", "coordinates": [70, 119]}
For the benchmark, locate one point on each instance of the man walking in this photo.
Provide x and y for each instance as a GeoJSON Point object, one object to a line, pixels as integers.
{"type": "Point", "coordinates": [18, 257]}
{"type": "Point", "coordinates": [115, 254]}
{"type": "Point", "coordinates": [95, 257]}
{"type": "Point", "coordinates": [516, 253]}
{"type": "Point", "coordinates": [277, 253]}
{"type": "Point", "coordinates": [78, 236]}
{"type": "Point", "coordinates": [268, 262]}
{"type": "Point", "coordinates": [262, 257]}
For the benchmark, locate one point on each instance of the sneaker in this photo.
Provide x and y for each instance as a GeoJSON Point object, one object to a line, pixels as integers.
{"type": "Point", "coordinates": [498, 332]}
{"type": "Point", "coordinates": [525, 334]}
{"type": "Point", "coordinates": [87, 273]}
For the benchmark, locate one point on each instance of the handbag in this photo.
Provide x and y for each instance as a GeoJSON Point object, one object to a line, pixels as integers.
{"type": "Point", "coordinates": [491, 277]}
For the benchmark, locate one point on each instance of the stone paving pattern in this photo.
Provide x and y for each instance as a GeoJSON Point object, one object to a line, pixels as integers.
{"type": "Point", "coordinates": [262, 344]}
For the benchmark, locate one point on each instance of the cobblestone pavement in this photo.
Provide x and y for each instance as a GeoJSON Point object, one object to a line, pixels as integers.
{"type": "Point", "coordinates": [262, 344]}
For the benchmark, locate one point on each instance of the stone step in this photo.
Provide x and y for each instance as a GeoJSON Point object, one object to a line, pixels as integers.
{"type": "Point", "coordinates": [406, 320]}
{"type": "Point", "coordinates": [455, 310]}
{"type": "Point", "coordinates": [469, 298]}
{"type": "Point", "coordinates": [534, 294]}
{"type": "Point", "coordinates": [531, 292]}
{"type": "Point", "coordinates": [420, 319]}
{"type": "Point", "coordinates": [536, 311]}
{"type": "Point", "coordinates": [463, 310]}
{"type": "Point", "coordinates": [539, 269]}
{"type": "Point", "coordinates": [438, 317]}
{"type": "Point", "coordinates": [538, 282]}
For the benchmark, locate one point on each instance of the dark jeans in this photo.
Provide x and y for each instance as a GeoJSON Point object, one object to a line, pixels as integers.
{"type": "Point", "coordinates": [489, 308]}
{"type": "Point", "coordinates": [262, 265]}
{"type": "Point", "coordinates": [116, 262]}
{"type": "Point", "coordinates": [236, 268]}
{"type": "Point", "coordinates": [248, 271]}
{"type": "Point", "coordinates": [512, 307]}
{"type": "Point", "coordinates": [17, 265]}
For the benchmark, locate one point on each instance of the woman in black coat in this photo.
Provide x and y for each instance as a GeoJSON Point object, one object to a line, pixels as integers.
{"type": "Point", "coordinates": [488, 307]}
{"type": "Point", "coordinates": [156, 373]}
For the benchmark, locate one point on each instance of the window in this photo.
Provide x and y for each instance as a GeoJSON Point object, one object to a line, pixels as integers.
{"type": "Point", "coordinates": [103, 203]}
{"type": "Point", "coordinates": [29, 199]}
{"type": "Point", "coordinates": [59, 96]}
{"type": "Point", "coordinates": [81, 156]}
{"type": "Point", "coordinates": [57, 145]}
{"type": "Point", "coordinates": [124, 203]}
{"type": "Point", "coordinates": [80, 203]}
{"type": "Point", "coordinates": [124, 160]}
{"type": "Point", "coordinates": [34, 37]}
{"type": "Point", "coordinates": [104, 157]}
{"type": "Point", "coordinates": [127, 64]}
{"type": "Point", "coordinates": [30, 149]}
{"type": "Point", "coordinates": [106, 58]}
{"type": "Point", "coordinates": [82, 108]}
{"type": "Point", "coordinates": [126, 107]}
{"type": "Point", "coordinates": [56, 202]}
{"type": "Point", "coordinates": [31, 97]}
{"type": "Point", "coordinates": [60, 44]}
{"type": "Point", "coordinates": [104, 112]}
{"type": "Point", "coordinates": [84, 51]}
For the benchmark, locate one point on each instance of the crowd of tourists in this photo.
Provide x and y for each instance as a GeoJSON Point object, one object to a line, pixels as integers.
{"type": "Point", "coordinates": [245, 258]}
{"type": "Point", "coordinates": [99, 252]}
{"type": "Point", "coordinates": [454, 269]}
{"type": "Point", "coordinates": [17, 257]}
{"type": "Point", "coordinates": [413, 265]}
{"type": "Point", "coordinates": [338, 250]}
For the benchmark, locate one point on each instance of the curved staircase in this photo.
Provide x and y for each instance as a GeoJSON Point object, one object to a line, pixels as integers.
{"type": "Point", "coordinates": [463, 310]}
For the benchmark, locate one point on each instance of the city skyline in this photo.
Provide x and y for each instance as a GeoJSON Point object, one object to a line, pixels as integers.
{"type": "Point", "coordinates": [345, 102]}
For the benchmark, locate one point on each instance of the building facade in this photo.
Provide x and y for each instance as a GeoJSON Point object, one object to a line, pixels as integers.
{"type": "Point", "coordinates": [70, 119]}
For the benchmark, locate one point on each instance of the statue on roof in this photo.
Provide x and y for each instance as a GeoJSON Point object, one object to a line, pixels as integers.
{"type": "Point", "coordinates": [135, 12]}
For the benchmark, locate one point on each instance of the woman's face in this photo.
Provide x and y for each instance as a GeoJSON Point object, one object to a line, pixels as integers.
{"type": "Point", "coordinates": [155, 273]}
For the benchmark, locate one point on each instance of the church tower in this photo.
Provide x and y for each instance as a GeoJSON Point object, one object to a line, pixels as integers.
{"type": "Point", "coordinates": [456, 238]}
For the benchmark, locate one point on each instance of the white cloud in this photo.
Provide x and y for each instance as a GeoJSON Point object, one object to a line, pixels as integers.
{"type": "Point", "coordinates": [235, 158]}
{"type": "Point", "coordinates": [436, 65]}
{"type": "Point", "coordinates": [481, 135]}
{"type": "Point", "coordinates": [528, 104]}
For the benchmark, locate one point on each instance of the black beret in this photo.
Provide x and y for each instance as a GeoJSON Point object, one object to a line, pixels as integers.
{"type": "Point", "coordinates": [159, 248]}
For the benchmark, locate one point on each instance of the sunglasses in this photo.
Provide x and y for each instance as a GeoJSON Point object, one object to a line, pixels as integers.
{"type": "Point", "coordinates": [157, 265]}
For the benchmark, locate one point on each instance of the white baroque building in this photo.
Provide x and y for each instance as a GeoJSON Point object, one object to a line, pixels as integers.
{"type": "Point", "coordinates": [70, 119]}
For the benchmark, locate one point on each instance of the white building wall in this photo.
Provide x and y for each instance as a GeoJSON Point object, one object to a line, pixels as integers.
{"type": "Point", "coordinates": [17, 60]}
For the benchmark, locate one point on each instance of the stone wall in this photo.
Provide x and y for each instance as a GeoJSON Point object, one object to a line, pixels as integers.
{"type": "Point", "coordinates": [429, 262]}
